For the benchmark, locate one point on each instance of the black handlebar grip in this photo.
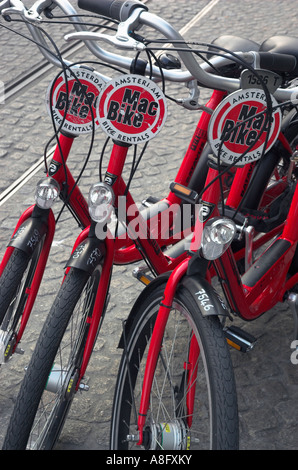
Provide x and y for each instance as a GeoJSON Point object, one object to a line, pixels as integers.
{"type": "Point", "coordinates": [116, 9]}
{"type": "Point", "coordinates": [277, 62]}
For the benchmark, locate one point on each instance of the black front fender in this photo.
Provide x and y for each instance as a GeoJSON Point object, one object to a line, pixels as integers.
{"type": "Point", "coordinates": [30, 233]}
{"type": "Point", "coordinates": [89, 254]}
{"type": "Point", "coordinates": [206, 298]}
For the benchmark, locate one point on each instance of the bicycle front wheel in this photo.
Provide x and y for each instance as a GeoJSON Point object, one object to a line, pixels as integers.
{"type": "Point", "coordinates": [49, 385]}
{"type": "Point", "coordinates": [193, 403]}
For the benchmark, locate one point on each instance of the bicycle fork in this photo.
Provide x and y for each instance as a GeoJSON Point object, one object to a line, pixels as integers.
{"type": "Point", "coordinates": [87, 253]}
{"type": "Point", "coordinates": [33, 226]}
{"type": "Point", "coordinates": [155, 347]}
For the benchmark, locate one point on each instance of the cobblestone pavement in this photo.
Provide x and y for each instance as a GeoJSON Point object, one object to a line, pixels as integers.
{"type": "Point", "coordinates": [266, 379]}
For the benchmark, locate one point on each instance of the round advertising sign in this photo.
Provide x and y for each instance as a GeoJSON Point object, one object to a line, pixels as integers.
{"type": "Point", "coordinates": [238, 126]}
{"type": "Point", "coordinates": [71, 99]}
{"type": "Point", "coordinates": [132, 109]}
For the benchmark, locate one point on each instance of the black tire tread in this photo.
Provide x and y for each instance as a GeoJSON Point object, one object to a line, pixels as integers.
{"type": "Point", "coordinates": [11, 277]}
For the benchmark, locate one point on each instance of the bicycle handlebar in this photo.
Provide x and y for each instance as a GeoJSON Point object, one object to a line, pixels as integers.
{"type": "Point", "coordinates": [136, 15]}
{"type": "Point", "coordinates": [115, 9]}
{"type": "Point", "coordinates": [122, 10]}
{"type": "Point", "coordinates": [277, 62]}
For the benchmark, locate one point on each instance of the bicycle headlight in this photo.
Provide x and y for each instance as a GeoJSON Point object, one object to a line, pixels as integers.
{"type": "Point", "coordinates": [100, 202]}
{"type": "Point", "coordinates": [46, 193]}
{"type": "Point", "coordinates": [218, 234]}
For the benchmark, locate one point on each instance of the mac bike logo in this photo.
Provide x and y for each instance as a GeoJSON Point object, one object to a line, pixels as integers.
{"type": "Point", "coordinates": [78, 104]}
{"type": "Point", "coordinates": [70, 100]}
{"type": "Point", "coordinates": [247, 132]}
{"type": "Point", "coordinates": [238, 125]}
{"type": "Point", "coordinates": [132, 109]}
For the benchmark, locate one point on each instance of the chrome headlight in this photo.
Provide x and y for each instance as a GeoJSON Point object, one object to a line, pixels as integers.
{"type": "Point", "coordinates": [218, 234]}
{"type": "Point", "coordinates": [46, 193]}
{"type": "Point", "coordinates": [100, 202]}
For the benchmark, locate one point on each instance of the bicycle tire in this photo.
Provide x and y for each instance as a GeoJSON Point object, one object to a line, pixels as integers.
{"type": "Point", "coordinates": [11, 278]}
{"type": "Point", "coordinates": [15, 281]}
{"type": "Point", "coordinates": [40, 382]}
{"type": "Point", "coordinates": [220, 384]}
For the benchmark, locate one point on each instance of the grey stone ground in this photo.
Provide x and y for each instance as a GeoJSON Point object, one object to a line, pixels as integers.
{"type": "Point", "coordinates": [266, 379]}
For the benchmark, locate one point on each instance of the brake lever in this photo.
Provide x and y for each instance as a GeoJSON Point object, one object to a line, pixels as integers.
{"type": "Point", "coordinates": [120, 43]}
{"type": "Point", "coordinates": [192, 102]}
{"type": "Point", "coordinates": [122, 39]}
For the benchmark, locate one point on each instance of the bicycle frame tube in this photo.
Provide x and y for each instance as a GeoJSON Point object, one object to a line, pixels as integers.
{"type": "Point", "coordinates": [125, 250]}
{"type": "Point", "coordinates": [241, 180]}
{"type": "Point", "coordinates": [148, 244]}
{"type": "Point", "coordinates": [251, 301]}
{"type": "Point", "coordinates": [196, 145]}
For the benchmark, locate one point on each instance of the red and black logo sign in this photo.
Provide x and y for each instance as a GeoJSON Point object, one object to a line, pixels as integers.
{"type": "Point", "coordinates": [132, 109]}
{"type": "Point", "coordinates": [238, 125]}
{"type": "Point", "coordinates": [73, 99]}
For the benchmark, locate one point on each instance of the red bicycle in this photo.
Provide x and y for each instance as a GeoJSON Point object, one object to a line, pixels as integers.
{"type": "Point", "coordinates": [175, 385]}
{"type": "Point", "coordinates": [82, 300]}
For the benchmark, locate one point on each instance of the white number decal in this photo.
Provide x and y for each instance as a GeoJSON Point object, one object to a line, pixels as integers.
{"type": "Point", "coordinates": [204, 300]}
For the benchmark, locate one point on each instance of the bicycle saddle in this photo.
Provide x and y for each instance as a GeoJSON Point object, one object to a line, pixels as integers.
{"type": "Point", "coordinates": [234, 44]}
{"type": "Point", "coordinates": [282, 45]}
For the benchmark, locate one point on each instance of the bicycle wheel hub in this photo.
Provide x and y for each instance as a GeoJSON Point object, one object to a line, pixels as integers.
{"type": "Point", "coordinates": [166, 436]}
{"type": "Point", "coordinates": [56, 379]}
